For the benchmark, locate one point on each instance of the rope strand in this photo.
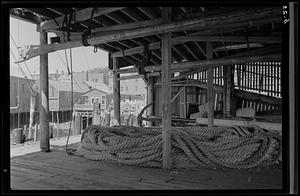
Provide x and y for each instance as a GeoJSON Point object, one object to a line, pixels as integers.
{"type": "Point", "coordinates": [202, 147]}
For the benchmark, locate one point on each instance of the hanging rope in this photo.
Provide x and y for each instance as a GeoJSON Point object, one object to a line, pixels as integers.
{"type": "Point", "coordinates": [192, 147]}
{"type": "Point", "coordinates": [71, 151]}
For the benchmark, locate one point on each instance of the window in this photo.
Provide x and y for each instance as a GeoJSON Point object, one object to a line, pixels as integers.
{"type": "Point", "coordinates": [126, 88]}
{"type": "Point", "coordinates": [86, 99]}
{"type": "Point", "coordinates": [121, 88]}
{"type": "Point", "coordinates": [52, 89]}
{"type": "Point", "coordinates": [92, 100]}
{"type": "Point", "coordinates": [23, 87]}
{"type": "Point", "coordinates": [98, 100]}
{"type": "Point", "coordinates": [103, 100]}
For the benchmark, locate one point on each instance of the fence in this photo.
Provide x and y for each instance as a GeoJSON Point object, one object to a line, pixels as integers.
{"type": "Point", "coordinates": [258, 77]}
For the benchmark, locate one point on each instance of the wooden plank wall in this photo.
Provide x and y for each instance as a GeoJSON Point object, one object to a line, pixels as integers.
{"type": "Point", "coordinates": [64, 116]}
{"type": "Point", "coordinates": [258, 77]}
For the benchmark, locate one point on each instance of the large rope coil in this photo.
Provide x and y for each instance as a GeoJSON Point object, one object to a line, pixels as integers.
{"type": "Point", "coordinates": [192, 147]}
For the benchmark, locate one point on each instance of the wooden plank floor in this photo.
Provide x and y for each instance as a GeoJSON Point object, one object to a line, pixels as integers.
{"type": "Point", "coordinates": [58, 171]}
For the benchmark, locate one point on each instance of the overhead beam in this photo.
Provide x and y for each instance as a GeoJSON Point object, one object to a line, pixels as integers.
{"type": "Point", "coordinates": [211, 63]}
{"type": "Point", "coordinates": [203, 38]}
{"type": "Point", "coordinates": [199, 23]}
{"type": "Point", "coordinates": [181, 39]}
{"type": "Point", "coordinates": [80, 15]}
{"type": "Point", "coordinates": [239, 46]}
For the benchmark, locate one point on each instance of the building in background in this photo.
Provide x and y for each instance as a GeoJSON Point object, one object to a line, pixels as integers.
{"type": "Point", "coordinates": [19, 108]}
{"type": "Point", "coordinates": [130, 87]}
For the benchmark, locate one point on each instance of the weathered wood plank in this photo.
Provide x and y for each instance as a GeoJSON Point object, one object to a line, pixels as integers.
{"type": "Point", "coordinates": [65, 172]}
{"type": "Point", "coordinates": [116, 91]}
{"type": "Point", "coordinates": [199, 23]}
{"type": "Point", "coordinates": [166, 91]}
{"type": "Point", "coordinates": [80, 15]}
{"type": "Point", "coordinates": [203, 38]}
{"type": "Point", "coordinates": [210, 90]}
{"type": "Point", "coordinates": [44, 97]}
{"type": "Point", "coordinates": [226, 122]}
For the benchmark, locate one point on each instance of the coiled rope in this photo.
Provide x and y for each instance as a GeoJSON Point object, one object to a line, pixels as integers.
{"type": "Point", "coordinates": [192, 147]}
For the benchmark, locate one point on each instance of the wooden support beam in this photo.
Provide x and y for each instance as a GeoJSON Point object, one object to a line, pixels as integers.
{"type": "Point", "coordinates": [150, 89]}
{"type": "Point", "coordinates": [202, 65]}
{"type": "Point", "coordinates": [166, 91]}
{"type": "Point", "coordinates": [293, 9]}
{"type": "Point", "coordinates": [116, 91]}
{"type": "Point", "coordinates": [229, 89]}
{"type": "Point", "coordinates": [210, 90]}
{"type": "Point", "coordinates": [237, 93]}
{"type": "Point", "coordinates": [258, 97]}
{"type": "Point", "coordinates": [177, 95]}
{"type": "Point", "coordinates": [80, 15]}
{"type": "Point", "coordinates": [183, 100]}
{"type": "Point", "coordinates": [44, 97]}
{"type": "Point", "coordinates": [207, 38]}
{"type": "Point", "coordinates": [130, 77]}
{"type": "Point", "coordinates": [229, 123]}
{"type": "Point", "coordinates": [181, 39]}
{"type": "Point", "coordinates": [239, 46]}
{"type": "Point", "coordinates": [199, 23]}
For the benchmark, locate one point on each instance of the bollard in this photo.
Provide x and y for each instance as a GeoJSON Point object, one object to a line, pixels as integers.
{"type": "Point", "coordinates": [25, 133]}
{"type": "Point", "coordinates": [50, 131]}
{"type": "Point", "coordinates": [36, 132]}
{"type": "Point", "coordinates": [77, 126]}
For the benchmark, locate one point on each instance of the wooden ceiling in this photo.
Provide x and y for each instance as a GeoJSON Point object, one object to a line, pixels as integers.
{"type": "Point", "coordinates": [239, 34]}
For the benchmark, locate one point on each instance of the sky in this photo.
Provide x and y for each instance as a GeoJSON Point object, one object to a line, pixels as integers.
{"type": "Point", "coordinates": [24, 33]}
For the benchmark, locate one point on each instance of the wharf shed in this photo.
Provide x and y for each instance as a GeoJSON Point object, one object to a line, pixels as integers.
{"type": "Point", "coordinates": [225, 57]}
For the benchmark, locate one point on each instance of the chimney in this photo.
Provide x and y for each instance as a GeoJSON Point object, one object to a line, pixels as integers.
{"type": "Point", "coordinates": [87, 76]}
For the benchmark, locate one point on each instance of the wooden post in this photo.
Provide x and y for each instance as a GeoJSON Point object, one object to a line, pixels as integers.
{"type": "Point", "coordinates": [116, 89]}
{"type": "Point", "coordinates": [210, 90]}
{"type": "Point", "coordinates": [44, 98]}
{"type": "Point", "coordinates": [293, 81]}
{"type": "Point", "coordinates": [150, 100]}
{"type": "Point", "coordinates": [31, 114]}
{"type": "Point", "coordinates": [36, 132]}
{"type": "Point", "coordinates": [229, 91]}
{"type": "Point", "coordinates": [96, 114]}
{"type": "Point", "coordinates": [225, 89]}
{"type": "Point", "coordinates": [77, 126]}
{"type": "Point", "coordinates": [57, 116]}
{"type": "Point", "coordinates": [25, 133]}
{"type": "Point", "coordinates": [183, 111]}
{"type": "Point", "coordinates": [166, 91]}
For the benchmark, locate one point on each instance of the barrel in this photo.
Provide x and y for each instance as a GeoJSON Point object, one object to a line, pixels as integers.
{"type": "Point", "coordinates": [17, 135]}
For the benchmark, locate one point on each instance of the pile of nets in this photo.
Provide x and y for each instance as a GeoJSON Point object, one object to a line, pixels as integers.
{"type": "Point", "coordinates": [191, 147]}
